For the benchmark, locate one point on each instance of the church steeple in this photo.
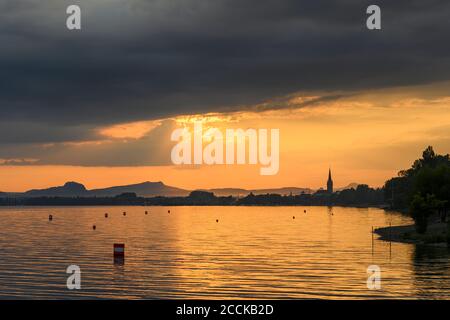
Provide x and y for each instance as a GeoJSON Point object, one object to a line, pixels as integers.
{"type": "Point", "coordinates": [329, 182]}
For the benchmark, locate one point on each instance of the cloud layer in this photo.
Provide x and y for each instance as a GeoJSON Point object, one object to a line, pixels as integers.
{"type": "Point", "coordinates": [141, 60]}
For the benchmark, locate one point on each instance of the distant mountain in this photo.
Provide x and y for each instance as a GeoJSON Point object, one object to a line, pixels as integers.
{"type": "Point", "coordinates": [153, 189]}
{"type": "Point", "coordinates": [283, 191]}
{"type": "Point", "coordinates": [235, 192]}
{"type": "Point", "coordinates": [70, 189]}
{"type": "Point", "coordinates": [145, 189]}
{"type": "Point", "coordinates": [74, 189]}
{"type": "Point", "coordinates": [349, 186]}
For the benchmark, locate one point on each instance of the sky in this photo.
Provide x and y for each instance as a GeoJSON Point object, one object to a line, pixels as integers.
{"type": "Point", "coordinates": [98, 105]}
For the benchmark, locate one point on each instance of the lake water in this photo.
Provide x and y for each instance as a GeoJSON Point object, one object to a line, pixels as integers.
{"type": "Point", "coordinates": [252, 252]}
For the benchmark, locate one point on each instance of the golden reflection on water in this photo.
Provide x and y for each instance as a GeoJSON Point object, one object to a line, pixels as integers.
{"type": "Point", "coordinates": [251, 252]}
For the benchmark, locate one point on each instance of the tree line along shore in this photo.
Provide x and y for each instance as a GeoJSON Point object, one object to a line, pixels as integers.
{"type": "Point", "coordinates": [423, 192]}
{"type": "Point", "coordinates": [361, 196]}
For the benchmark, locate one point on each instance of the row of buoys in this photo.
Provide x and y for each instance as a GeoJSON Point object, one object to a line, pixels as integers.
{"type": "Point", "coordinates": [94, 227]}
{"type": "Point", "coordinates": [50, 217]}
{"type": "Point", "coordinates": [118, 248]}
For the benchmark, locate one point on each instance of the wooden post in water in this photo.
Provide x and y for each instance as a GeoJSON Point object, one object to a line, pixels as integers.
{"type": "Point", "coordinates": [372, 240]}
{"type": "Point", "coordinates": [390, 240]}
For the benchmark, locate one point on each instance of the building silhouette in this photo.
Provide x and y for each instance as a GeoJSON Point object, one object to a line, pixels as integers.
{"type": "Point", "coordinates": [329, 182]}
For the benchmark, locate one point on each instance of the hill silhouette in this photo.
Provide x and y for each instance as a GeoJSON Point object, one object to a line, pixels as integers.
{"type": "Point", "coordinates": [70, 189]}
{"type": "Point", "coordinates": [238, 192]}
{"type": "Point", "coordinates": [153, 189]}
{"type": "Point", "coordinates": [352, 185]}
{"type": "Point", "coordinates": [75, 189]}
{"type": "Point", "coordinates": [145, 189]}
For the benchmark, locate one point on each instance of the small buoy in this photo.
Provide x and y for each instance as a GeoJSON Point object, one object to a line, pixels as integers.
{"type": "Point", "coordinates": [119, 250]}
{"type": "Point", "coordinates": [168, 211]}
{"type": "Point", "coordinates": [106, 215]}
{"type": "Point", "coordinates": [146, 212]}
{"type": "Point", "coordinates": [293, 217]}
{"type": "Point", "coordinates": [94, 227]}
{"type": "Point", "coordinates": [304, 211]}
{"type": "Point", "coordinates": [124, 213]}
{"type": "Point", "coordinates": [217, 220]}
{"type": "Point", "coordinates": [50, 217]}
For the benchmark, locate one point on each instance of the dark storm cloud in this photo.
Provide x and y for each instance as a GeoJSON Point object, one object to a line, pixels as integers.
{"type": "Point", "coordinates": [153, 148]}
{"type": "Point", "coordinates": [38, 132]}
{"type": "Point", "coordinates": [141, 59]}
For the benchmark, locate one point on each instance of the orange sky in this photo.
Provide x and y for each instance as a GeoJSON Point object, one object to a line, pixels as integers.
{"type": "Point", "coordinates": [365, 138]}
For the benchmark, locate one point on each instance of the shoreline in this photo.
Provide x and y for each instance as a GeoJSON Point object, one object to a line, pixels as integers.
{"type": "Point", "coordinates": [199, 205]}
{"type": "Point", "coordinates": [436, 234]}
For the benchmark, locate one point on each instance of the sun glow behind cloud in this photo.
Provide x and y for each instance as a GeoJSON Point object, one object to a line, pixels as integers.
{"type": "Point", "coordinates": [132, 130]}
{"type": "Point", "coordinates": [365, 137]}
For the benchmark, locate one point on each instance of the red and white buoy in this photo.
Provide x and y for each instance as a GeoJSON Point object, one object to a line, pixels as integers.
{"type": "Point", "coordinates": [119, 250]}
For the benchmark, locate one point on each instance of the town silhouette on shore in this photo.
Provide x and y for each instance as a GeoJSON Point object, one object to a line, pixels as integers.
{"type": "Point", "coordinates": [158, 194]}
